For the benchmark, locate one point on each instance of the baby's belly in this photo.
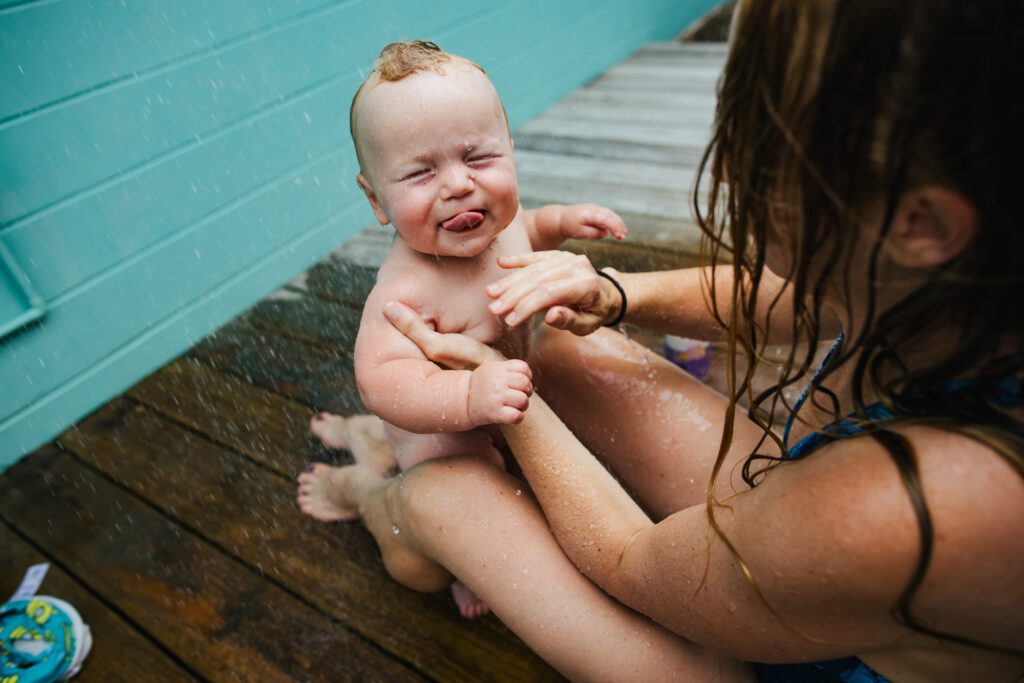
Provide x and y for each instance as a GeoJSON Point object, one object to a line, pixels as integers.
{"type": "Point", "coordinates": [411, 448]}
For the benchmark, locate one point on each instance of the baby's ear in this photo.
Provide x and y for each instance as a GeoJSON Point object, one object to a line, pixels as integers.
{"type": "Point", "coordinates": [378, 210]}
{"type": "Point", "coordinates": [933, 225]}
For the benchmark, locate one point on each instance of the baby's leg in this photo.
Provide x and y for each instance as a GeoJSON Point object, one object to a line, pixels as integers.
{"type": "Point", "coordinates": [363, 435]}
{"type": "Point", "coordinates": [655, 426]}
{"type": "Point", "coordinates": [463, 516]}
{"type": "Point", "coordinates": [358, 434]}
{"type": "Point", "coordinates": [411, 449]}
{"type": "Point", "coordinates": [378, 447]}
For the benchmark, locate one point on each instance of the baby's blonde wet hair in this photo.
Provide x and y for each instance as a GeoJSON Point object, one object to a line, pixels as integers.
{"type": "Point", "coordinates": [398, 60]}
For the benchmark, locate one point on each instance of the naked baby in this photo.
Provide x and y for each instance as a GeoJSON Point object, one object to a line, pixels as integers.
{"type": "Point", "coordinates": [435, 156]}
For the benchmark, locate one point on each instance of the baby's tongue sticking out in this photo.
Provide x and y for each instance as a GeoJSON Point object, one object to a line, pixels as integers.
{"type": "Point", "coordinates": [467, 220]}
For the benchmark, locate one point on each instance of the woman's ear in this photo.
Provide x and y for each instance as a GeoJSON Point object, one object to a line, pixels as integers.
{"type": "Point", "coordinates": [378, 210]}
{"type": "Point", "coordinates": [933, 225]}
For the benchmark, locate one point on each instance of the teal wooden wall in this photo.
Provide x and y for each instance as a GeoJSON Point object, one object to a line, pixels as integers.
{"type": "Point", "coordinates": [166, 163]}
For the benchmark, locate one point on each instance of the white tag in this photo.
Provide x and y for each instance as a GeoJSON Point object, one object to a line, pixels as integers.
{"type": "Point", "coordinates": [30, 584]}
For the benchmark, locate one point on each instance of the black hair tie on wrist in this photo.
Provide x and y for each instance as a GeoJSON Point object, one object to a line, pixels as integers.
{"type": "Point", "coordinates": [622, 293]}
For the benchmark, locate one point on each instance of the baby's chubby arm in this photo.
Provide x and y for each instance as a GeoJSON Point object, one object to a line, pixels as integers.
{"type": "Point", "coordinates": [551, 225]}
{"type": "Point", "coordinates": [399, 384]}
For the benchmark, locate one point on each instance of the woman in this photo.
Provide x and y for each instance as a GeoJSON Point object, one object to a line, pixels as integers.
{"type": "Point", "coordinates": [862, 162]}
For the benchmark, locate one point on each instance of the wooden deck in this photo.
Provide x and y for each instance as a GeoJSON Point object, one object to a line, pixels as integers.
{"type": "Point", "coordinates": [168, 516]}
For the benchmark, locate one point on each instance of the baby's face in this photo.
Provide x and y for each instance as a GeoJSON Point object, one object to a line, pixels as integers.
{"type": "Point", "coordinates": [438, 160]}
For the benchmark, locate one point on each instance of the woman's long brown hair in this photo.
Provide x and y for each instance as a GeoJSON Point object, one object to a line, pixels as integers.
{"type": "Point", "coordinates": [828, 106]}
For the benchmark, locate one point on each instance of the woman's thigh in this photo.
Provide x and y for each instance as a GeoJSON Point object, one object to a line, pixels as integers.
{"type": "Point", "coordinates": [653, 425]}
{"type": "Point", "coordinates": [484, 527]}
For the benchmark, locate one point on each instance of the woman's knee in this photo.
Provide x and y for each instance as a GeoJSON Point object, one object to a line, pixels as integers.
{"type": "Point", "coordinates": [438, 492]}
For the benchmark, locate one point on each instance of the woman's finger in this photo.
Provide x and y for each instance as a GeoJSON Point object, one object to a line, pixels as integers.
{"type": "Point", "coordinates": [580, 323]}
{"type": "Point", "coordinates": [455, 351]}
{"type": "Point", "coordinates": [553, 267]}
{"type": "Point", "coordinates": [518, 263]}
{"type": "Point", "coordinates": [408, 323]}
{"type": "Point", "coordinates": [571, 291]}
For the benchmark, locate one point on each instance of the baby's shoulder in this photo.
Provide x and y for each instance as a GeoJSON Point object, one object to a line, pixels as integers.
{"type": "Point", "coordinates": [513, 240]}
{"type": "Point", "coordinates": [405, 282]}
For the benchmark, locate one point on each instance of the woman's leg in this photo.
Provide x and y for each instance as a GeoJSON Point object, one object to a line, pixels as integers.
{"type": "Point", "coordinates": [653, 425]}
{"type": "Point", "coordinates": [461, 516]}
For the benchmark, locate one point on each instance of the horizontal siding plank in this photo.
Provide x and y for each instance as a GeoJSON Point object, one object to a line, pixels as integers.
{"type": "Point", "coordinates": [65, 247]}
{"type": "Point", "coordinates": [52, 49]}
{"type": "Point", "coordinates": [92, 322]}
{"type": "Point", "coordinates": [152, 118]}
{"type": "Point", "coordinates": [143, 118]}
{"type": "Point", "coordinates": [95, 381]}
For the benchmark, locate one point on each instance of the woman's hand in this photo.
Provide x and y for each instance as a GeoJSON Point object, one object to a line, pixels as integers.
{"type": "Point", "coordinates": [577, 298]}
{"type": "Point", "coordinates": [454, 351]}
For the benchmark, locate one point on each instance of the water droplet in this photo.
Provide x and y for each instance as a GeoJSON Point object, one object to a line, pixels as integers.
{"type": "Point", "coordinates": [519, 492]}
{"type": "Point", "coordinates": [394, 529]}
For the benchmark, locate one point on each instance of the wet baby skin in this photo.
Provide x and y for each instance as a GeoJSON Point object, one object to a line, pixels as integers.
{"type": "Point", "coordinates": [438, 167]}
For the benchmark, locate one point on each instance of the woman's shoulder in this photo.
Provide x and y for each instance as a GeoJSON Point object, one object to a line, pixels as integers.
{"type": "Point", "coordinates": [853, 511]}
{"type": "Point", "coordinates": [965, 483]}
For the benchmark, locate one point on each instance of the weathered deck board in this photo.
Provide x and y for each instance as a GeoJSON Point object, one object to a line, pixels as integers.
{"type": "Point", "coordinates": [169, 514]}
{"type": "Point", "coordinates": [261, 425]}
{"type": "Point", "coordinates": [113, 635]}
{"type": "Point", "coordinates": [319, 377]}
{"type": "Point", "coordinates": [631, 139]}
{"type": "Point", "coordinates": [250, 514]}
{"type": "Point", "coordinates": [221, 618]}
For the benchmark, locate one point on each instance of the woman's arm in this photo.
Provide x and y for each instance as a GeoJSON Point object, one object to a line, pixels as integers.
{"type": "Point", "coordinates": [821, 600]}
{"type": "Point", "coordinates": [672, 302]}
{"type": "Point", "coordinates": [829, 546]}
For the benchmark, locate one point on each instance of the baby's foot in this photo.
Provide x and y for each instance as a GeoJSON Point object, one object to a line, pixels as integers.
{"type": "Point", "coordinates": [322, 493]}
{"type": "Point", "coordinates": [332, 430]}
{"type": "Point", "coordinates": [362, 435]}
{"type": "Point", "coordinates": [470, 606]}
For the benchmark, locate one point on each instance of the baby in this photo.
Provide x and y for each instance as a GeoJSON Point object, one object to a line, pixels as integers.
{"type": "Point", "coordinates": [435, 155]}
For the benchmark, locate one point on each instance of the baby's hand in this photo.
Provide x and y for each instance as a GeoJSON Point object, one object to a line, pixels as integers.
{"type": "Point", "coordinates": [499, 392]}
{"type": "Point", "coordinates": [590, 221]}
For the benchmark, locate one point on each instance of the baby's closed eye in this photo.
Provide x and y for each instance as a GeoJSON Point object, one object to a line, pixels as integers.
{"type": "Point", "coordinates": [416, 174]}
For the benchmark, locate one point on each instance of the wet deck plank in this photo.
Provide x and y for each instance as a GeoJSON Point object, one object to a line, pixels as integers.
{"type": "Point", "coordinates": [114, 633]}
{"type": "Point", "coordinates": [169, 516]}
{"type": "Point", "coordinates": [221, 618]}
